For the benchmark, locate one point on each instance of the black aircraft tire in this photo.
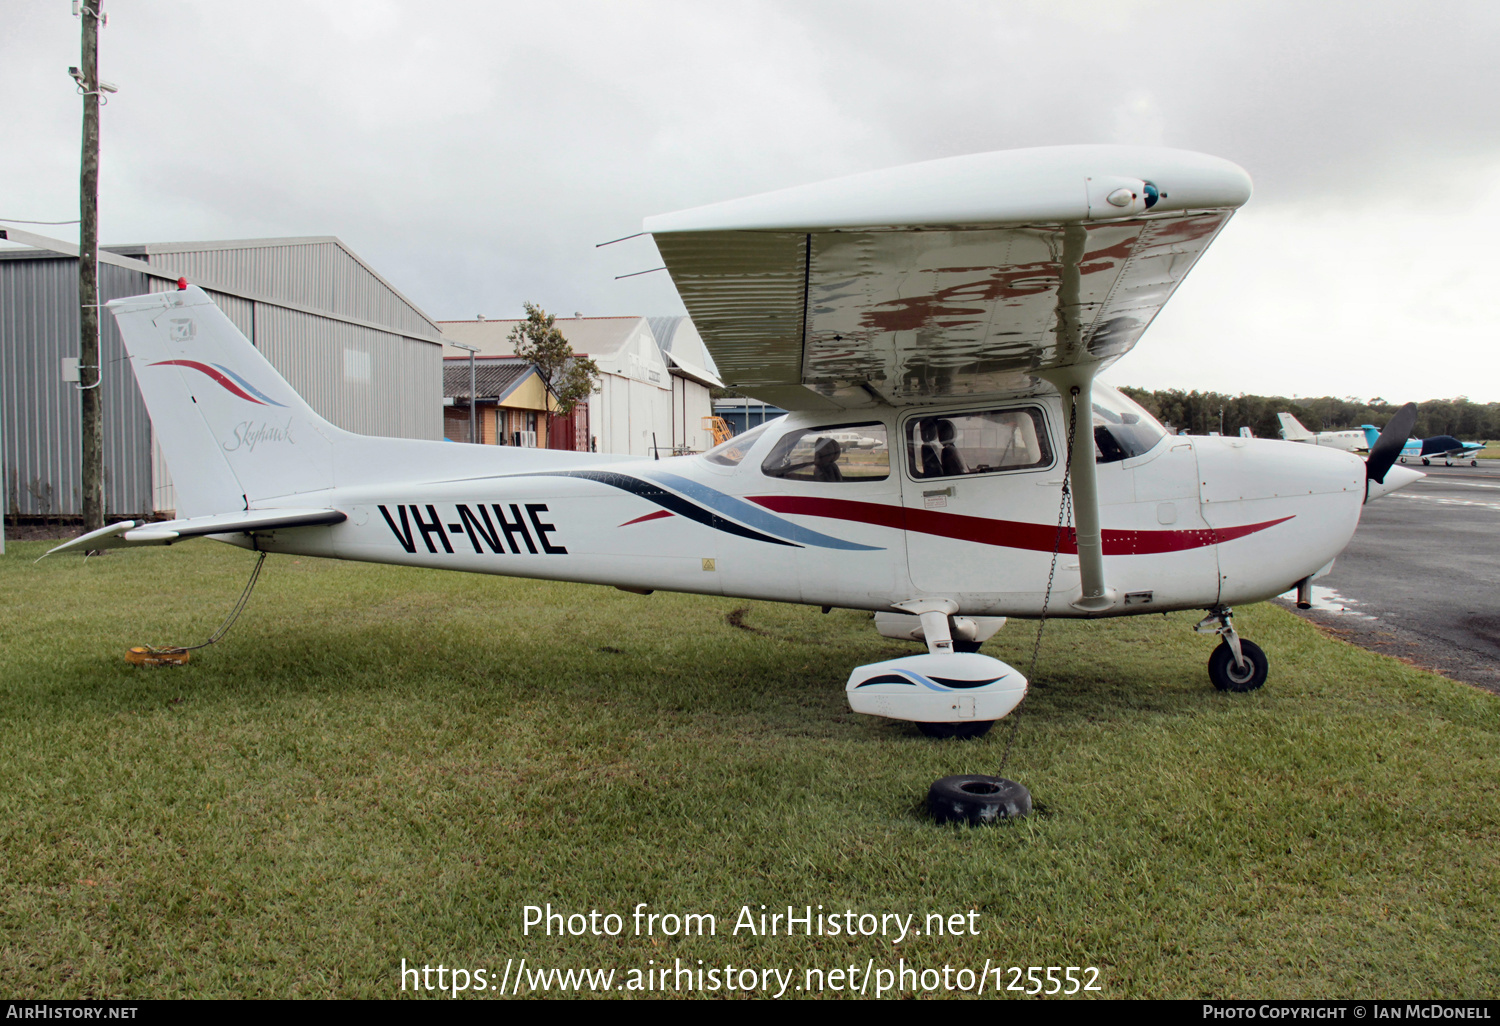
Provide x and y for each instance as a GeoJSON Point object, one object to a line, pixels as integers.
{"type": "Point", "coordinates": [1227, 677]}
{"type": "Point", "coordinates": [966, 646]}
{"type": "Point", "coordinates": [960, 729]}
{"type": "Point", "coordinates": [974, 798]}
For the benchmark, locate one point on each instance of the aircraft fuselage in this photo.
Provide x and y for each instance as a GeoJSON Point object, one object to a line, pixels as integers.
{"type": "Point", "coordinates": [1189, 523]}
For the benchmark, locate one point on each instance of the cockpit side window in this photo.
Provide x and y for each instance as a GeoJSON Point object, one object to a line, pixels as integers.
{"type": "Point", "coordinates": [958, 444]}
{"type": "Point", "coordinates": [841, 452]}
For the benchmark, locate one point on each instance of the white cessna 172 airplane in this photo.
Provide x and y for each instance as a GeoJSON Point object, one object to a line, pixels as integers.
{"type": "Point", "coordinates": [1350, 441]}
{"type": "Point", "coordinates": [936, 331]}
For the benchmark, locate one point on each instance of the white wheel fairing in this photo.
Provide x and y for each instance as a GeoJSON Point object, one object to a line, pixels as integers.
{"type": "Point", "coordinates": [936, 688]}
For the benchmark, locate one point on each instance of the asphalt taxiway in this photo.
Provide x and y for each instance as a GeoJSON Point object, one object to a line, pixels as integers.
{"type": "Point", "coordinates": [1421, 579]}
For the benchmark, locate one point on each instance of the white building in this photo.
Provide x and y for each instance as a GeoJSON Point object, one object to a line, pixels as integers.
{"type": "Point", "coordinates": [694, 376]}
{"type": "Point", "coordinates": [643, 405]}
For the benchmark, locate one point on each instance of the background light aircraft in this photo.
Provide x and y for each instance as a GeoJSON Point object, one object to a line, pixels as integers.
{"type": "Point", "coordinates": [949, 459]}
{"type": "Point", "coordinates": [1350, 441]}
{"type": "Point", "coordinates": [1438, 447]}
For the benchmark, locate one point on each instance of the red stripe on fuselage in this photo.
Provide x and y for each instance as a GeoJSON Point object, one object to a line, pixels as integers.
{"type": "Point", "coordinates": [1012, 534]}
{"type": "Point", "coordinates": [649, 516]}
{"type": "Point", "coordinates": [221, 379]}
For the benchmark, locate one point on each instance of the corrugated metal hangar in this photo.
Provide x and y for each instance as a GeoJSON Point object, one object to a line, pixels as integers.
{"type": "Point", "coordinates": [362, 355]}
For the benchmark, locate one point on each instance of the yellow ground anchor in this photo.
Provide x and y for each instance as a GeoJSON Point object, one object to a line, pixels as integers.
{"type": "Point", "coordinates": [170, 655]}
{"type": "Point", "coordinates": [146, 655]}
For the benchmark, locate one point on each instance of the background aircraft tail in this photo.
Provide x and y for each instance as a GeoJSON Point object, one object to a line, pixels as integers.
{"type": "Point", "coordinates": [232, 430]}
{"type": "Point", "coordinates": [1292, 429]}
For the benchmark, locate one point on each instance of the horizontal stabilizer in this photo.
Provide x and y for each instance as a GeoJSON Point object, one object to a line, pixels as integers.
{"type": "Point", "coordinates": [130, 533]}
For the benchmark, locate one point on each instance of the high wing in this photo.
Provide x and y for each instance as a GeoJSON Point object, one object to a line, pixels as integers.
{"type": "Point", "coordinates": [956, 278]}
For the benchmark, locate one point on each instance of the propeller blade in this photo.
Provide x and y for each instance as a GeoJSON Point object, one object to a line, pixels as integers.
{"type": "Point", "coordinates": [1390, 443]}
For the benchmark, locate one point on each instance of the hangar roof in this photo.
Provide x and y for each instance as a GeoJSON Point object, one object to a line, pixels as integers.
{"type": "Point", "coordinates": [315, 274]}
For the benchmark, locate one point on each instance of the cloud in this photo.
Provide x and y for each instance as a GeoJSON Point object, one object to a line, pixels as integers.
{"type": "Point", "coordinates": [475, 155]}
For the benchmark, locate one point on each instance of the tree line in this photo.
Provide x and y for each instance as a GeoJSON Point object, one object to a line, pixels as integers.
{"type": "Point", "coordinates": [1203, 412]}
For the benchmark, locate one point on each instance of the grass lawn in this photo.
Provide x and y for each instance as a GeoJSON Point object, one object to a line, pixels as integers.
{"type": "Point", "coordinates": [383, 763]}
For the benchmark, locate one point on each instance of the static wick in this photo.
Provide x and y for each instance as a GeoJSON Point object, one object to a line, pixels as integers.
{"type": "Point", "coordinates": [634, 274]}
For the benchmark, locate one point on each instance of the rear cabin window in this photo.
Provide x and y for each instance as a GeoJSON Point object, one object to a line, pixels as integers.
{"type": "Point", "coordinates": [956, 444]}
{"type": "Point", "coordinates": [844, 452]}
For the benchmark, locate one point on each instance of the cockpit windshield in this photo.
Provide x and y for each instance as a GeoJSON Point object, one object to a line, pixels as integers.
{"type": "Point", "coordinates": [1122, 428]}
{"type": "Point", "coordinates": [729, 454]}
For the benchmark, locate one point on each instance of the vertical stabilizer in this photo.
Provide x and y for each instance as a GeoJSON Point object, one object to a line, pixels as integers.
{"type": "Point", "coordinates": [233, 431]}
{"type": "Point", "coordinates": [1292, 429]}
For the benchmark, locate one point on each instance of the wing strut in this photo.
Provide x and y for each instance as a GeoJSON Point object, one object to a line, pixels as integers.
{"type": "Point", "coordinates": [1077, 381]}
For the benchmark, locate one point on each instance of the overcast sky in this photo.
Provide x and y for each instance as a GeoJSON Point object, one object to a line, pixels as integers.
{"type": "Point", "coordinates": [473, 154]}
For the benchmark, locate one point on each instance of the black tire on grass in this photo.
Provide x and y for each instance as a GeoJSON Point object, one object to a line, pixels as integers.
{"type": "Point", "coordinates": [975, 798]}
{"type": "Point", "coordinates": [961, 730]}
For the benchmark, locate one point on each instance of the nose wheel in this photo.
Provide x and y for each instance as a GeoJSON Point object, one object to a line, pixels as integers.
{"type": "Point", "coordinates": [1246, 676]}
{"type": "Point", "coordinates": [1237, 664]}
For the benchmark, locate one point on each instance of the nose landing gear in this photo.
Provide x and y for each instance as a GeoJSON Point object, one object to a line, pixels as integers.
{"type": "Point", "coordinates": [1236, 665]}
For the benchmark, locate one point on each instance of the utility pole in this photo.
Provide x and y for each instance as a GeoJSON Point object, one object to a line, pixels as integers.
{"type": "Point", "coordinates": [473, 399]}
{"type": "Point", "coordinates": [88, 273]}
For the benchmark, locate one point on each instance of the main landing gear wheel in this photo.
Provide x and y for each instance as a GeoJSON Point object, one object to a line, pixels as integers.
{"type": "Point", "coordinates": [966, 646]}
{"type": "Point", "coordinates": [959, 729]}
{"type": "Point", "coordinates": [974, 798]}
{"type": "Point", "coordinates": [1229, 677]}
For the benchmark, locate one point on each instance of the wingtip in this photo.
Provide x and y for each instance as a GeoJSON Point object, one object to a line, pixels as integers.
{"type": "Point", "coordinates": [91, 540]}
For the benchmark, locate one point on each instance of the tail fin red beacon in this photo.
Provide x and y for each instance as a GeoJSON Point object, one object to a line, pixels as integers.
{"type": "Point", "coordinates": [233, 432]}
